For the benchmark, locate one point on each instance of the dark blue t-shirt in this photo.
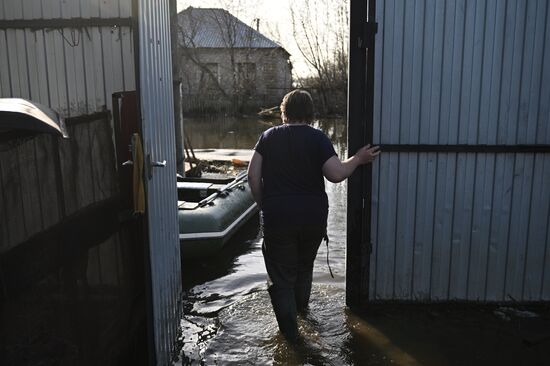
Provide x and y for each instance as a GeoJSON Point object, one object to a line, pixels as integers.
{"type": "Point", "coordinates": [293, 182]}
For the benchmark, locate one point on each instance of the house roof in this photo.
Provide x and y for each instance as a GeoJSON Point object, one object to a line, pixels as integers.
{"type": "Point", "coordinates": [217, 28]}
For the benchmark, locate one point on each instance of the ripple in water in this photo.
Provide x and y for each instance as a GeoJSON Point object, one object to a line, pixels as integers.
{"type": "Point", "coordinates": [247, 333]}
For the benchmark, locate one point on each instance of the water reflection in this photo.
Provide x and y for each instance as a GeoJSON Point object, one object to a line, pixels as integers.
{"type": "Point", "coordinates": [225, 132]}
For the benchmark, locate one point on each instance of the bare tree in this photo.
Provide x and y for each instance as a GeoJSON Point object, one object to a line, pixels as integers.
{"type": "Point", "coordinates": [320, 29]}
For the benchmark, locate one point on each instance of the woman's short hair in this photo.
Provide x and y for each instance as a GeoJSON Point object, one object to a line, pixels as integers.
{"type": "Point", "coordinates": [298, 106]}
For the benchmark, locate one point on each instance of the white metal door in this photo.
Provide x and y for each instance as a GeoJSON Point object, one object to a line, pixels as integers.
{"type": "Point", "coordinates": [156, 97]}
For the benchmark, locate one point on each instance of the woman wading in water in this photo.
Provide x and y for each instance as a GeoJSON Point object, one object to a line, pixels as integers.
{"type": "Point", "coordinates": [286, 176]}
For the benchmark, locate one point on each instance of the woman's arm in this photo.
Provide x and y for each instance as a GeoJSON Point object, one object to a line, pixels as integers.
{"type": "Point", "coordinates": [336, 171]}
{"type": "Point", "coordinates": [255, 177]}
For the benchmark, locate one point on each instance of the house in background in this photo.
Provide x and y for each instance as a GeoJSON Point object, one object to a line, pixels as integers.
{"type": "Point", "coordinates": [226, 65]}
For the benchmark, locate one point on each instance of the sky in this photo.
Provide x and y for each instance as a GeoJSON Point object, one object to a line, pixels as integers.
{"type": "Point", "coordinates": [274, 22]}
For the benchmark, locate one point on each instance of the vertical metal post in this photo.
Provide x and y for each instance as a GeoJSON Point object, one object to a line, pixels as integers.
{"type": "Point", "coordinates": [177, 85]}
{"type": "Point", "coordinates": [360, 125]}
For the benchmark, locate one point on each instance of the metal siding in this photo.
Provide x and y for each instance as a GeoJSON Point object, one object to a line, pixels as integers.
{"type": "Point", "coordinates": [74, 71]}
{"type": "Point", "coordinates": [481, 221]}
{"type": "Point", "coordinates": [534, 252]}
{"type": "Point", "coordinates": [461, 226]}
{"type": "Point", "coordinates": [52, 9]}
{"type": "Point", "coordinates": [159, 141]}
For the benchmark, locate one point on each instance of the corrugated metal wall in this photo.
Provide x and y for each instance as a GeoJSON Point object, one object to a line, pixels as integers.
{"type": "Point", "coordinates": [74, 67]}
{"type": "Point", "coordinates": [73, 70]}
{"type": "Point", "coordinates": [155, 68]}
{"type": "Point", "coordinates": [457, 225]}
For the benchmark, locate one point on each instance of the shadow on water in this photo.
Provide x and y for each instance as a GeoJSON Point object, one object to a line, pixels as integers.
{"type": "Point", "coordinates": [195, 272]}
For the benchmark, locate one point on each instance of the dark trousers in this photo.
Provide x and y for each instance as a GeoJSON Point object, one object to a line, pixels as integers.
{"type": "Point", "coordinates": [289, 253]}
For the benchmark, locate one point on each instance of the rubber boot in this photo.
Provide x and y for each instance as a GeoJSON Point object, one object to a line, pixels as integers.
{"type": "Point", "coordinates": [284, 307]}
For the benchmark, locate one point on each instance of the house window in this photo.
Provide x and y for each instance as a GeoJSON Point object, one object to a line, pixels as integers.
{"type": "Point", "coordinates": [246, 76]}
{"type": "Point", "coordinates": [209, 77]}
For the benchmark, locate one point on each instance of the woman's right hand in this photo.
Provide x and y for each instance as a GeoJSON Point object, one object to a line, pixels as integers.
{"type": "Point", "coordinates": [336, 171]}
{"type": "Point", "coordinates": [367, 154]}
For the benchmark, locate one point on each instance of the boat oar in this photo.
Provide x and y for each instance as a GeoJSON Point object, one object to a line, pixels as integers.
{"type": "Point", "coordinates": [238, 180]}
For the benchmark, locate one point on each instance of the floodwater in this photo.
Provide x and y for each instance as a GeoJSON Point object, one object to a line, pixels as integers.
{"type": "Point", "coordinates": [228, 317]}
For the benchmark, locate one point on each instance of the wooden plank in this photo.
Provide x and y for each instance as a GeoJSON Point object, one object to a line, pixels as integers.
{"type": "Point", "coordinates": [93, 272]}
{"type": "Point", "coordinates": [29, 183]}
{"type": "Point", "coordinates": [46, 253]}
{"type": "Point", "coordinates": [536, 239]}
{"type": "Point", "coordinates": [11, 184]}
{"type": "Point", "coordinates": [109, 267]}
{"type": "Point", "coordinates": [81, 170]}
{"type": "Point", "coordinates": [102, 160]}
{"type": "Point", "coordinates": [121, 263]}
{"type": "Point", "coordinates": [4, 228]}
{"type": "Point", "coordinates": [48, 190]}
{"type": "Point", "coordinates": [69, 161]}
{"type": "Point", "coordinates": [482, 211]}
